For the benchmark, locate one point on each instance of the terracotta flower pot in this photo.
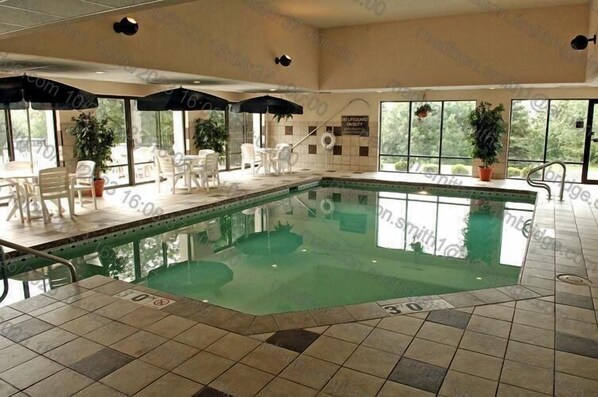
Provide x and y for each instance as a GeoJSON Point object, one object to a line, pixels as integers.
{"type": "Point", "coordinates": [485, 173]}
{"type": "Point", "coordinates": [422, 115]}
{"type": "Point", "coordinates": [98, 185]}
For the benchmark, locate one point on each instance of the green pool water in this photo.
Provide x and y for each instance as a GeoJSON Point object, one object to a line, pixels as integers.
{"type": "Point", "coordinates": [324, 247]}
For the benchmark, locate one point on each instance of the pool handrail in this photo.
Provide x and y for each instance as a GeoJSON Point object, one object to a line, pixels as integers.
{"type": "Point", "coordinates": [34, 252]}
{"type": "Point", "coordinates": [544, 185]}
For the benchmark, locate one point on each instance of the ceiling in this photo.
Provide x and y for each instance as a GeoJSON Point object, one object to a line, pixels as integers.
{"type": "Point", "coordinates": [17, 15]}
{"type": "Point", "coordinates": [335, 13]}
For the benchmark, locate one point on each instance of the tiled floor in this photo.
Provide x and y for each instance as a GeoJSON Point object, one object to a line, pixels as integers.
{"type": "Point", "coordinates": [541, 339]}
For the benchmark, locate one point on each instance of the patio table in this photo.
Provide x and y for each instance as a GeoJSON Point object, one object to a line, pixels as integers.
{"type": "Point", "coordinates": [267, 154]}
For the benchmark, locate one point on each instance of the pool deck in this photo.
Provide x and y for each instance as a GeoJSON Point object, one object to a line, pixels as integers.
{"type": "Point", "coordinates": [539, 338]}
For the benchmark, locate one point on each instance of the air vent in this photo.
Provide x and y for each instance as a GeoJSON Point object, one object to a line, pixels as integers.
{"type": "Point", "coordinates": [573, 279]}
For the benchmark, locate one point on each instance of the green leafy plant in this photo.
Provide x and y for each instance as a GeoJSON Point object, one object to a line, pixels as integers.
{"type": "Point", "coordinates": [279, 227]}
{"type": "Point", "coordinates": [513, 172]}
{"type": "Point", "coordinates": [430, 168]}
{"type": "Point", "coordinates": [527, 169]}
{"type": "Point", "coordinates": [94, 141]}
{"type": "Point", "coordinates": [423, 110]}
{"type": "Point", "coordinates": [488, 126]}
{"type": "Point", "coordinates": [459, 169]}
{"type": "Point", "coordinates": [211, 133]}
{"type": "Point", "coordinates": [279, 117]}
{"type": "Point", "coordinates": [401, 165]}
{"type": "Point", "coordinates": [482, 233]}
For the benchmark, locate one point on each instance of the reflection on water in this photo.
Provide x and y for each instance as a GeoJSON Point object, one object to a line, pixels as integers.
{"type": "Point", "coordinates": [324, 247]}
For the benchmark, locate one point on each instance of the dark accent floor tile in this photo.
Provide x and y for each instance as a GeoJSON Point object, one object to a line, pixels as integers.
{"type": "Point", "coordinates": [576, 345]}
{"type": "Point", "coordinates": [566, 298]}
{"type": "Point", "coordinates": [454, 318]}
{"type": "Point", "coordinates": [209, 392]}
{"type": "Point", "coordinates": [295, 339]}
{"type": "Point", "coordinates": [24, 330]}
{"type": "Point", "coordinates": [101, 363]}
{"type": "Point", "coordinates": [418, 374]}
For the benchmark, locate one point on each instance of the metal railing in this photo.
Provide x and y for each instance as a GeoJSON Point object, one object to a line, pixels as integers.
{"type": "Point", "coordinates": [328, 119]}
{"type": "Point", "coordinates": [31, 251]}
{"type": "Point", "coordinates": [544, 185]}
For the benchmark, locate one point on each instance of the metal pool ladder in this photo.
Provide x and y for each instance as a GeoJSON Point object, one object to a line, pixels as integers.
{"type": "Point", "coordinates": [544, 185]}
{"type": "Point", "coordinates": [31, 251]}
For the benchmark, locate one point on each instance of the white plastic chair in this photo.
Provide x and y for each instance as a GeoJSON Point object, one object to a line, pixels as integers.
{"type": "Point", "coordinates": [83, 181]}
{"type": "Point", "coordinates": [53, 184]}
{"type": "Point", "coordinates": [17, 165]}
{"type": "Point", "coordinates": [282, 159]}
{"type": "Point", "coordinates": [166, 168]}
{"type": "Point", "coordinates": [209, 168]}
{"type": "Point", "coordinates": [250, 157]}
{"type": "Point", "coordinates": [205, 152]}
{"type": "Point", "coordinates": [10, 191]}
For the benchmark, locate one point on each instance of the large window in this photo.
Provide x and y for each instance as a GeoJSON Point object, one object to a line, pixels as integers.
{"type": "Point", "coordinates": [114, 110]}
{"type": "Point", "coordinates": [435, 144]}
{"type": "Point", "coordinates": [32, 138]}
{"type": "Point", "coordinates": [545, 131]}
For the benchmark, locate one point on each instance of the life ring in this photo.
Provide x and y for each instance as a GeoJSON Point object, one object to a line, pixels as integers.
{"type": "Point", "coordinates": [327, 206]}
{"type": "Point", "coordinates": [328, 140]}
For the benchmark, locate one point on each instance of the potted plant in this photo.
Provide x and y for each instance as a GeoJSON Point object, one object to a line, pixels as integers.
{"type": "Point", "coordinates": [94, 141]}
{"type": "Point", "coordinates": [211, 133]}
{"type": "Point", "coordinates": [281, 116]}
{"type": "Point", "coordinates": [422, 111]}
{"type": "Point", "coordinates": [488, 127]}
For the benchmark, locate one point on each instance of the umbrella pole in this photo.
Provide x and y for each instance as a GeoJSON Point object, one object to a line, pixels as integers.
{"type": "Point", "coordinates": [29, 134]}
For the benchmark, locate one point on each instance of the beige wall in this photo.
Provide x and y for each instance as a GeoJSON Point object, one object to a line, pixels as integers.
{"type": "Point", "coordinates": [522, 46]}
{"type": "Point", "coordinates": [350, 159]}
{"type": "Point", "coordinates": [231, 39]}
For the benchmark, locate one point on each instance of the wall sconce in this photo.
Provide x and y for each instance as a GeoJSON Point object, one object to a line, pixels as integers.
{"type": "Point", "coordinates": [580, 42]}
{"type": "Point", "coordinates": [127, 26]}
{"type": "Point", "coordinates": [284, 60]}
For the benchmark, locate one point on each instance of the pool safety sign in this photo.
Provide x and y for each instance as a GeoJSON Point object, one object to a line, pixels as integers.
{"type": "Point", "coordinates": [355, 125]}
{"type": "Point", "coordinates": [145, 299]}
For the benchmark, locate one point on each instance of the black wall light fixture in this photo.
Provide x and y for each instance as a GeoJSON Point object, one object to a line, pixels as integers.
{"type": "Point", "coordinates": [283, 60]}
{"type": "Point", "coordinates": [127, 26]}
{"type": "Point", "coordinates": [580, 42]}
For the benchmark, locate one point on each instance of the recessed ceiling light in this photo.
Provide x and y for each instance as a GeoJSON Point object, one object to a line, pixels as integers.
{"type": "Point", "coordinates": [303, 250]}
{"type": "Point", "coordinates": [422, 192]}
{"type": "Point", "coordinates": [100, 72]}
{"type": "Point", "coordinates": [272, 89]}
{"type": "Point", "coordinates": [492, 88]}
{"type": "Point", "coordinates": [378, 91]}
{"type": "Point", "coordinates": [196, 81]}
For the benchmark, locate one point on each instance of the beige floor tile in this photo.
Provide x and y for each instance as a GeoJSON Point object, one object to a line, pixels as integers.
{"type": "Point", "coordinates": [62, 384]}
{"type": "Point", "coordinates": [86, 323]}
{"type": "Point", "coordinates": [527, 376]}
{"type": "Point", "coordinates": [350, 332]}
{"type": "Point", "coordinates": [459, 384]}
{"type": "Point", "coordinates": [532, 335]}
{"type": "Point", "coordinates": [333, 315]}
{"type": "Point", "coordinates": [373, 322]}
{"type": "Point", "coordinates": [430, 352]}
{"type": "Point", "coordinates": [200, 336]}
{"type": "Point", "coordinates": [132, 377]}
{"type": "Point", "coordinates": [309, 371]}
{"type": "Point", "coordinates": [204, 367]}
{"type": "Point", "coordinates": [241, 380]}
{"type": "Point", "coordinates": [94, 281]}
{"type": "Point", "coordinates": [94, 302]}
{"type": "Point", "coordinates": [117, 309]}
{"type": "Point", "coordinates": [366, 311]}
{"type": "Point", "coordinates": [111, 333]}
{"type": "Point", "coordinates": [489, 326]}
{"type": "Point", "coordinates": [505, 390]}
{"type": "Point", "coordinates": [170, 326]}
{"type": "Point", "coordinates": [280, 387]}
{"type": "Point", "coordinates": [440, 333]}
{"type": "Point", "coordinates": [391, 342]}
{"type": "Point", "coordinates": [294, 320]}
{"type": "Point", "coordinates": [46, 309]}
{"type": "Point", "coordinates": [574, 364]}
{"type": "Point", "coordinates": [393, 389]}
{"type": "Point", "coordinates": [577, 328]}
{"type": "Point", "coordinates": [143, 317]}
{"type": "Point", "coordinates": [169, 355]}
{"type": "Point", "coordinates": [233, 346]}
{"type": "Point", "coordinates": [30, 372]}
{"type": "Point", "coordinates": [170, 385]}
{"type": "Point", "coordinates": [372, 361]}
{"type": "Point", "coordinates": [569, 385]}
{"type": "Point", "coordinates": [34, 303]}
{"type": "Point", "coordinates": [403, 324]}
{"type": "Point", "coordinates": [48, 340]}
{"type": "Point", "coordinates": [6, 389]}
{"type": "Point", "coordinates": [139, 343]}
{"type": "Point", "coordinates": [98, 390]}
{"type": "Point", "coordinates": [530, 354]}
{"type": "Point", "coordinates": [269, 358]}
{"type": "Point", "coordinates": [73, 351]}
{"type": "Point", "coordinates": [14, 355]}
{"type": "Point", "coordinates": [349, 383]}
{"type": "Point", "coordinates": [62, 315]}
{"type": "Point", "coordinates": [318, 330]}
{"type": "Point", "coordinates": [483, 343]}
{"type": "Point", "coordinates": [331, 349]}
{"type": "Point", "coordinates": [534, 319]}
{"type": "Point", "coordinates": [5, 342]}
{"type": "Point", "coordinates": [575, 313]}
{"type": "Point", "coordinates": [536, 305]}
{"type": "Point", "coordinates": [477, 364]}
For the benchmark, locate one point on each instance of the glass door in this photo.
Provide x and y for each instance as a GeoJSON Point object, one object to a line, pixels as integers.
{"type": "Point", "coordinates": [590, 158]}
